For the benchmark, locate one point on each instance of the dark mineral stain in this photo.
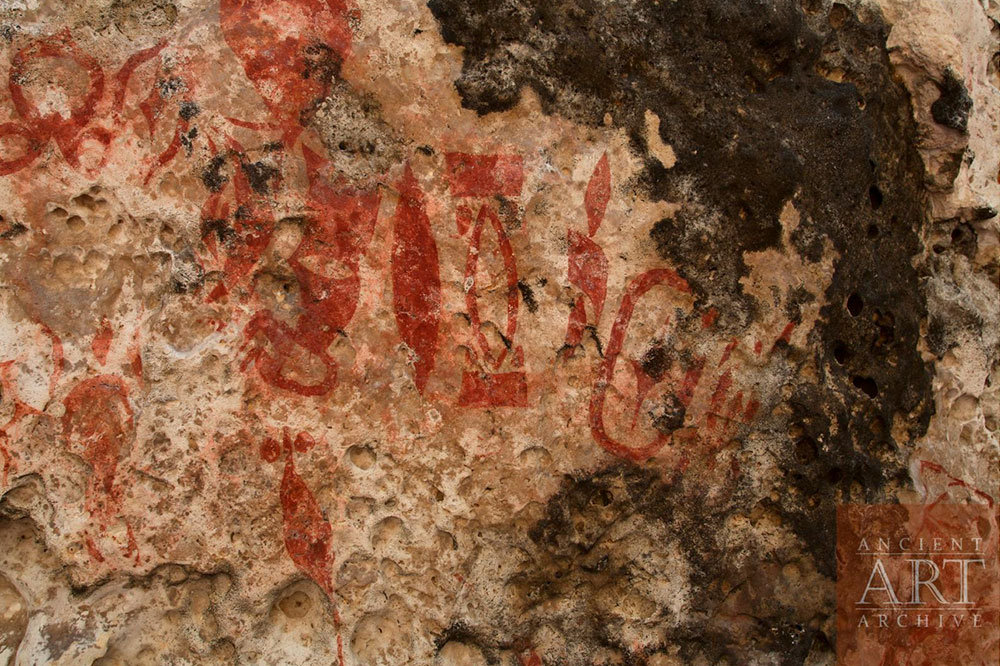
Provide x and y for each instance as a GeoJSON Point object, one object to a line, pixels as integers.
{"type": "Point", "coordinates": [169, 87]}
{"type": "Point", "coordinates": [212, 176]}
{"type": "Point", "coordinates": [742, 92]}
{"type": "Point", "coordinates": [223, 232]}
{"type": "Point", "coordinates": [952, 108]}
{"type": "Point", "coordinates": [964, 239]}
{"type": "Point", "coordinates": [258, 175]}
{"type": "Point", "coordinates": [984, 213]}
{"type": "Point", "coordinates": [656, 361]}
{"type": "Point", "coordinates": [577, 547]}
{"type": "Point", "coordinates": [671, 416]}
{"type": "Point", "coordinates": [12, 231]}
{"type": "Point", "coordinates": [187, 139]}
{"type": "Point", "coordinates": [189, 110]}
{"type": "Point", "coordinates": [322, 63]}
{"type": "Point", "coordinates": [528, 296]}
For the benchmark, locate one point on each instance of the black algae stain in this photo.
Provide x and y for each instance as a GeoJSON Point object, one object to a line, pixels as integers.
{"type": "Point", "coordinates": [189, 110]}
{"type": "Point", "coordinates": [763, 103]}
{"type": "Point", "coordinates": [258, 175]}
{"type": "Point", "coordinates": [607, 541]}
{"type": "Point", "coordinates": [952, 108]}
{"type": "Point", "coordinates": [528, 295]}
{"type": "Point", "coordinates": [212, 176]}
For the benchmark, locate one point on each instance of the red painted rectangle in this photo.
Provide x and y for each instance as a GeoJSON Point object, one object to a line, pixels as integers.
{"type": "Point", "coordinates": [484, 175]}
{"type": "Point", "coordinates": [503, 389]}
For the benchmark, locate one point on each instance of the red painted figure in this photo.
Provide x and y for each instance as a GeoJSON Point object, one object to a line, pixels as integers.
{"type": "Point", "coordinates": [416, 278]}
{"type": "Point", "coordinates": [588, 266]}
{"type": "Point", "coordinates": [290, 51]}
{"type": "Point", "coordinates": [308, 535]}
{"type": "Point", "coordinates": [326, 264]}
{"type": "Point", "coordinates": [487, 177]}
{"type": "Point", "coordinates": [98, 424]}
{"type": "Point", "coordinates": [38, 128]}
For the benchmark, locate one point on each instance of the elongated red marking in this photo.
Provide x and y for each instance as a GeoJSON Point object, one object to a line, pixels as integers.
{"type": "Point", "coordinates": [416, 279]}
{"type": "Point", "coordinates": [588, 270]}
{"type": "Point", "coordinates": [102, 341]}
{"type": "Point", "coordinates": [575, 327]}
{"type": "Point", "coordinates": [484, 175]}
{"type": "Point", "coordinates": [307, 533]}
{"type": "Point", "coordinates": [472, 295]}
{"type": "Point", "coordinates": [99, 421]}
{"type": "Point", "coordinates": [595, 200]}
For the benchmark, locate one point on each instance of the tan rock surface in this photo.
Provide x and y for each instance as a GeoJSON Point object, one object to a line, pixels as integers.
{"type": "Point", "coordinates": [379, 333]}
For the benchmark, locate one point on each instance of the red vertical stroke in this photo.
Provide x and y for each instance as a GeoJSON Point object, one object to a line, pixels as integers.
{"type": "Point", "coordinates": [416, 279]}
{"type": "Point", "coordinates": [102, 341]}
{"type": "Point", "coordinates": [472, 295]}
{"type": "Point", "coordinates": [598, 193]}
{"type": "Point", "coordinates": [588, 270]}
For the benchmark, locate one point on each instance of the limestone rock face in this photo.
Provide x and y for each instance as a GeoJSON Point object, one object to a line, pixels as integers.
{"type": "Point", "coordinates": [491, 332]}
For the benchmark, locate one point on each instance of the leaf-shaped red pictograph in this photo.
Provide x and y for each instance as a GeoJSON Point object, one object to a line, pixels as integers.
{"type": "Point", "coordinates": [98, 423]}
{"type": "Point", "coordinates": [416, 280]}
{"type": "Point", "coordinates": [307, 533]}
{"type": "Point", "coordinates": [588, 270]}
{"type": "Point", "coordinates": [595, 200]}
{"type": "Point", "coordinates": [510, 273]}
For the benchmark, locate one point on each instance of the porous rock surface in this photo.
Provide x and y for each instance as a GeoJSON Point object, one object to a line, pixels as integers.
{"type": "Point", "coordinates": [487, 332]}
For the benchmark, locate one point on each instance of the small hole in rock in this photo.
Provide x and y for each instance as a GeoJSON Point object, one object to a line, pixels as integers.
{"type": "Point", "coordinates": [872, 231]}
{"type": "Point", "coordinates": [362, 457]}
{"type": "Point", "coordinates": [956, 235]}
{"type": "Point", "coordinates": [838, 16]}
{"type": "Point", "coordinates": [841, 353]}
{"type": "Point", "coordinates": [855, 304]}
{"type": "Point", "coordinates": [835, 475]}
{"type": "Point", "coordinates": [875, 197]}
{"type": "Point", "coordinates": [866, 384]}
{"type": "Point", "coordinates": [85, 201]}
{"type": "Point", "coordinates": [805, 450]}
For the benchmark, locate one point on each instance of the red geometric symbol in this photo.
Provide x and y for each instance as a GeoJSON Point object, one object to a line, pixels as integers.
{"type": "Point", "coordinates": [490, 176]}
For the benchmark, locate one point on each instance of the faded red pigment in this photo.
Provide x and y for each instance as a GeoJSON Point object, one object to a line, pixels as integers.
{"type": "Point", "coordinates": [291, 51]}
{"type": "Point", "coordinates": [416, 278]}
